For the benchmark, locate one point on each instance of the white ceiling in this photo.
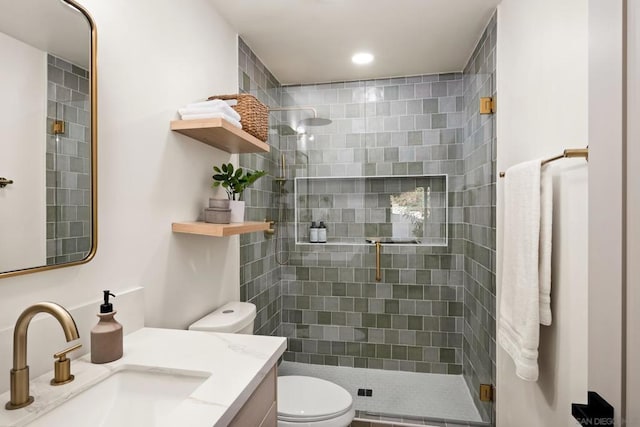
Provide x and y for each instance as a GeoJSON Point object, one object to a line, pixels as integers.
{"type": "Point", "coordinates": [312, 41]}
{"type": "Point", "coordinates": [50, 26]}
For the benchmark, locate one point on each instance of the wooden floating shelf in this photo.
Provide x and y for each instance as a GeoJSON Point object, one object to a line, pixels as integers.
{"type": "Point", "coordinates": [221, 134]}
{"type": "Point", "coordinates": [218, 230]}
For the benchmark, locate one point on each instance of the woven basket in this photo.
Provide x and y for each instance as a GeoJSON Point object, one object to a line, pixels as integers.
{"type": "Point", "coordinates": [254, 114]}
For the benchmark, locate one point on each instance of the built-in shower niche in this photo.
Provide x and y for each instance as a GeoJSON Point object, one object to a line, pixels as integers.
{"type": "Point", "coordinates": [406, 209]}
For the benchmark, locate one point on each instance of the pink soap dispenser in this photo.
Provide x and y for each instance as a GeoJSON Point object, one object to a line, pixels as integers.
{"type": "Point", "coordinates": [106, 336]}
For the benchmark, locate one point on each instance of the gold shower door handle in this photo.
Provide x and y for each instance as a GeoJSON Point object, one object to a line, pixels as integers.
{"type": "Point", "coordinates": [378, 271]}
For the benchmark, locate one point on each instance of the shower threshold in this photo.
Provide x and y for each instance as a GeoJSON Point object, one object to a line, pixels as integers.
{"type": "Point", "coordinates": [401, 398]}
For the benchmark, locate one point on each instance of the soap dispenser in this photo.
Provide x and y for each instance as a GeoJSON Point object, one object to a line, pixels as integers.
{"type": "Point", "coordinates": [106, 336]}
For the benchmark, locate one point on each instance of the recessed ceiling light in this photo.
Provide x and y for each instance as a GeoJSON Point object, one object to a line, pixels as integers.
{"type": "Point", "coordinates": [362, 58]}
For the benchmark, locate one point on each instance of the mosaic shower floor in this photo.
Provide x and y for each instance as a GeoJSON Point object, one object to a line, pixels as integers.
{"type": "Point", "coordinates": [411, 396]}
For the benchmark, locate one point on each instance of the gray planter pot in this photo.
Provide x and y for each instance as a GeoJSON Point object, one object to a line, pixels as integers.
{"type": "Point", "coordinates": [217, 216]}
{"type": "Point", "coordinates": [219, 203]}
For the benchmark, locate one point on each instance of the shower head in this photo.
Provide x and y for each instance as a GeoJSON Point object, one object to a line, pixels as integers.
{"type": "Point", "coordinates": [315, 121]}
{"type": "Point", "coordinates": [311, 121]}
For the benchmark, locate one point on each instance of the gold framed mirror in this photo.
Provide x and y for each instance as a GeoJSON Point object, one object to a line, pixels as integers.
{"type": "Point", "coordinates": [48, 153]}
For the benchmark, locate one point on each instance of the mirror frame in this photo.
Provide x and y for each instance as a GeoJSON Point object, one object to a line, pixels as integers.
{"type": "Point", "coordinates": [94, 156]}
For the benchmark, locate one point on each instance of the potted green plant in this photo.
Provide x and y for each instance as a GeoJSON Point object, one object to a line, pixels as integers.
{"type": "Point", "coordinates": [234, 182]}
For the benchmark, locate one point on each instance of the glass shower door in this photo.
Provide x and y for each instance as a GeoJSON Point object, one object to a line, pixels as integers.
{"type": "Point", "coordinates": [430, 197]}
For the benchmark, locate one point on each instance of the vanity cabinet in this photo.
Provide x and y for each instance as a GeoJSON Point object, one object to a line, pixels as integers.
{"type": "Point", "coordinates": [261, 408]}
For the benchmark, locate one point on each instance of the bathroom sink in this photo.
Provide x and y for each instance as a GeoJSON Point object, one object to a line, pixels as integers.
{"type": "Point", "coordinates": [125, 398]}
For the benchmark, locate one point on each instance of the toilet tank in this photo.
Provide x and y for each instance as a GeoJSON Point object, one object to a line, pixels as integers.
{"type": "Point", "coordinates": [233, 317]}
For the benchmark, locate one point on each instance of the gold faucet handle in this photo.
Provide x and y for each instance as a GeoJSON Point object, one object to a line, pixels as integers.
{"type": "Point", "coordinates": [62, 355]}
{"type": "Point", "coordinates": [62, 366]}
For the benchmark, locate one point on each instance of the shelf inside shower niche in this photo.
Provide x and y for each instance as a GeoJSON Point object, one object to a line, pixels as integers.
{"type": "Point", "coordinates": [403, 210]}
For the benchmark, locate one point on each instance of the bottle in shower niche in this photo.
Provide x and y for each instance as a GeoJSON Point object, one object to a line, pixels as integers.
{"type": "Point", "coordinates": [313, 232]}
{"type": "Point", "coordinates": [322, 233]}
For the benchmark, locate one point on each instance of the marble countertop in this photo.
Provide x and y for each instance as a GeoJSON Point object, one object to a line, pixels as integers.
{"type": "Point", "coordinates": [235, 365]}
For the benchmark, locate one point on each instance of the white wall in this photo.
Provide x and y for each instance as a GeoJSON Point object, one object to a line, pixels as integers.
{"type": "Point", "coordinates": [23, 113]}
{"type": "Point", "coordinates": [153, 57]}
{"type": "Point", "coordinates": [633, 214]}
{"type": "Point", "coordinates": [606, 200]}
{"type": "Point", "coordinates": [542, 109]}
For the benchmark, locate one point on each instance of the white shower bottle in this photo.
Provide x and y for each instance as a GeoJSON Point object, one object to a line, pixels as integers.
{"type": "Point", "coordinates": [313, 233]}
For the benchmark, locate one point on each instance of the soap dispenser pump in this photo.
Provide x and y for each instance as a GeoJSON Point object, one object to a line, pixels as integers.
{"type": "Point", "coordinates": [106, 336]}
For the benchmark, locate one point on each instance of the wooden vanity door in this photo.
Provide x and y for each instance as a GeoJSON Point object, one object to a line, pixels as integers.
{"type": "Point", "coordinates": [261, 408]}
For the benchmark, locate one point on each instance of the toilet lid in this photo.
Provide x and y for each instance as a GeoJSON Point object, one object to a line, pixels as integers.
{"type": "Point", "coordinates": [311, 399]}
{"type": "Point", "coordinates": [231, 318]}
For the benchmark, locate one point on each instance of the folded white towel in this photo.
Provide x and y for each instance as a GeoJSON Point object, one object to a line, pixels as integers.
{"type": "Point", "coordinates": [230, 112]}
{"type": "Point", "coordinates": [214, 105]}
{"type": "Point", "coordinates": [202, 104]}
{"type": "Point", "coordinates": [519, 322]}
{"type": "Point", "coordinates": [544, 263]}
{"type": "Point", "coordinates": [230, 102]}
{"type": "Point", "coordinates": [217, 115]}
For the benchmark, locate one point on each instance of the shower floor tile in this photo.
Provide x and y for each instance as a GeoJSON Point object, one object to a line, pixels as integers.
{"type": "Point", "coordinates": [397, 393]}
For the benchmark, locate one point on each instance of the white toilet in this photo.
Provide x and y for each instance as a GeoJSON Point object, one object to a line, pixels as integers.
{"type": "Point", "coordinates": [302, 401]}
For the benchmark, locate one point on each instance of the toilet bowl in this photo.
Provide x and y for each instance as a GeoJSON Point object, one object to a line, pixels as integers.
{"type": "Point", "coordinates": [302, 401]}
{"type": "Point", "coordinates": [312, 402]}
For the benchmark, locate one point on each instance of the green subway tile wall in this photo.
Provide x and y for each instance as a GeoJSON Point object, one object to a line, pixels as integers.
{"type": "Point", "coordinates": [259, 272]}
{"type": "Point", "coordinates": [333, 310]}
{"type": "Point", "coordinates": [68, 162]}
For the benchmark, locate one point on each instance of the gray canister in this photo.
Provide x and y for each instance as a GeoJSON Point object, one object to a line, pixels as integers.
{"type": "Point", "coordinates": [217, 216]}
{"type": "Point", "coordinates": [219, 203]}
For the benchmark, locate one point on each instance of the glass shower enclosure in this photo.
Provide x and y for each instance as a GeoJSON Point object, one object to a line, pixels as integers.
{"type": "Point", "coordinates": [398, 306]}
{"type": "Point", "coordinates": [399, 324]}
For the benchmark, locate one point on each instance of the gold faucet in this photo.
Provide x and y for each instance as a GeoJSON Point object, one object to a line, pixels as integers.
{"type": "Point", "coordinates": [20, 372]}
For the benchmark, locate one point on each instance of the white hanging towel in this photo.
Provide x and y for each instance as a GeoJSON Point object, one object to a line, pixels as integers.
{"type": "Point", "coordinates": [526, 285]}
{"type": "Point", "coordinates": [544, 263]}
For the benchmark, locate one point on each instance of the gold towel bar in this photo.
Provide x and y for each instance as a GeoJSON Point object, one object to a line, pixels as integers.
{"type": "Point", "coordinates": [569, 152]}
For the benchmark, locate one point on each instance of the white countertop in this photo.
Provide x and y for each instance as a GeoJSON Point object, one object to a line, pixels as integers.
{"type": "Point", "coordinates": [235, 365]}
